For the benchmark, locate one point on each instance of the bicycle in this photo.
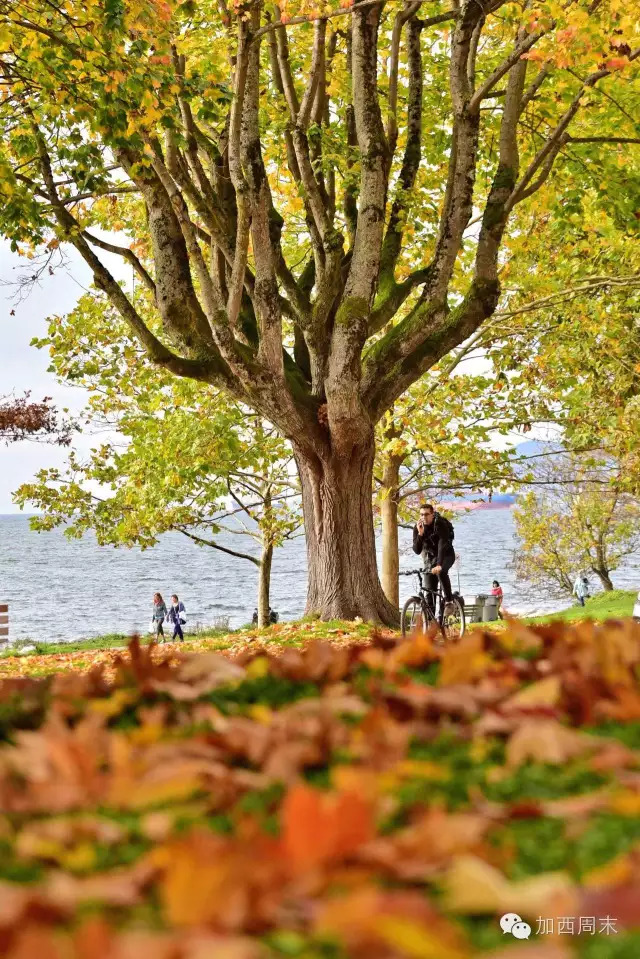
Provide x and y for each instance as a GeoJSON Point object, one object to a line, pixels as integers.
{"type": "Point", "coordinates": [419, 613]}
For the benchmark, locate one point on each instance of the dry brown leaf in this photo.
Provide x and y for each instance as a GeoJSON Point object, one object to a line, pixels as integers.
{"type": "Point", "coordinates": [226, 883]}
{"type": "Point", "coordinates": [619, 901]}
{"type": "Point", "coordinates": [624, 705]}
{"type": "Point", "coordinates": [120, 887]}
{"type": "Point", "coordinates": [418, 851]}
{"type": "Point", "coordinates": [576, 807]}
{"type": "Point", "coordinates": [547, 741]}
{"type": "Point", "coordinates": [546, 692]}
{"type": "Point", "coordinates": [465, 661]}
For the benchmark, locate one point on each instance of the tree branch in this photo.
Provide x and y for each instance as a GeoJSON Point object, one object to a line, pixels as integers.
{"type": "Point", "coordinates": [211, 369]}
{"type": "Point", "coordinates": [127, 255]}
{"type": "Point", "coordinates": [223, 549]}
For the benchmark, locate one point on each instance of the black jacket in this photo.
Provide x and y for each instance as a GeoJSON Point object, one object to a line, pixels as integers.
{"type": "Point", "coordinates": [435, 542]}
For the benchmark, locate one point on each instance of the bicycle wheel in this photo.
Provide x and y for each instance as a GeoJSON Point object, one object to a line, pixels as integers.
{"type": "Point", "coordinates": [413, 618]}
{"type": "Point", "coordinates": [454, 624]}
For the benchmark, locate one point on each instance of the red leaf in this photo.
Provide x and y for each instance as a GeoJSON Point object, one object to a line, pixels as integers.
{"type": "Point", "coordinates": [616, 63]}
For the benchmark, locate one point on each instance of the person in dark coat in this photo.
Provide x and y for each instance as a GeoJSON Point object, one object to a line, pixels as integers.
{"type": "Point", "coordinates": [433, 539]}
{"type": "Point", "coordinates": [177, 616]}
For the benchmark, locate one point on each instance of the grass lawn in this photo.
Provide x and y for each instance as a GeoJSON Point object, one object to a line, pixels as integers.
{"type": "Point", "coordinates": [109, 641]}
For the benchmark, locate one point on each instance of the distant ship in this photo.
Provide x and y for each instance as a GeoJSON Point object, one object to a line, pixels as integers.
{"type": "Point", "coordinates": [503, 501]}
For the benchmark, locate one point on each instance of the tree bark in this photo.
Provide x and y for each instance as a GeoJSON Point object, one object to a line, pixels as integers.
{"type": "Point", "coordinates": [264, 584]}
{"type": "Point", "coordinates": [601, 568]}
{"type": "Point", "coordinates": [605, 579]}
{"type": "Point", "coordinates": [389, 516]}
{"type": "Point", "coordinates": [343, 580]}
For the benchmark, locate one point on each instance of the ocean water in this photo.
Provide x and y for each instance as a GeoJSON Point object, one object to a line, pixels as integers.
{"type": "Point", "coordinates": [60, 589]}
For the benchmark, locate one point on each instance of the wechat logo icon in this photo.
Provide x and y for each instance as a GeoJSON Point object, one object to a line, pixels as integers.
{"type": "Point", "coordinates": [511, 922]}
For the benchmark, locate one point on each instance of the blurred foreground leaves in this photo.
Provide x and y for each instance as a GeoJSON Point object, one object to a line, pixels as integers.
{"type": "Point", "coordinates": [351, 796]}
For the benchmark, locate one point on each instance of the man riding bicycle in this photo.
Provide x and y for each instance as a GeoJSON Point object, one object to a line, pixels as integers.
{"type": "Point", "coordinates": [433, 538]}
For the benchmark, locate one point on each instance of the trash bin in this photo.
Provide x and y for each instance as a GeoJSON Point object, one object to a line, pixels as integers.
{"type": "Point", "coordinates": [490, 609]}
{"type": "Point", "coordinates": [478, 607]}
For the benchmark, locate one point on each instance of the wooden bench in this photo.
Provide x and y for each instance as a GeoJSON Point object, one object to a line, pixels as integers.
{"type": "Point", "coordinates": [4, 622]}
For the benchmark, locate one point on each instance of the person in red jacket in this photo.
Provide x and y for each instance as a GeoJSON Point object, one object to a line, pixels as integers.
{"type": "Point", "coordinates": [497, 592]}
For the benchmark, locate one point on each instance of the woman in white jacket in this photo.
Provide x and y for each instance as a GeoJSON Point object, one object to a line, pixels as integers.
{"type": "Point", "coordinates": [581, 589]}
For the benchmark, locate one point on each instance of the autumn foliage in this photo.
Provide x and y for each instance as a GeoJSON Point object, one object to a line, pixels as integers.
{"type": "Point", "coordinates": [371, 799]}
{"type": "Point", "coordinates": [21, 419]}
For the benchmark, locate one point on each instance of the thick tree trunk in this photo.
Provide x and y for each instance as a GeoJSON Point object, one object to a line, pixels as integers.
{"type": "Point", "coordinates": [264, 584]}
{"type": "Point", "coordinates": [389, 517]}
{"type": "Point", "coordinates": [343, 578]}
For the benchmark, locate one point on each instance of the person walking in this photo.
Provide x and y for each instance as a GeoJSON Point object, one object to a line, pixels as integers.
{"type": "Point", "coordinates": [158, 615]}
{"type": "Point", "coordinates": [496, 590]}
{"type": "Point", "coordinates": [177, 616]}
{"type": "Point", "coordinates": [581, 589]}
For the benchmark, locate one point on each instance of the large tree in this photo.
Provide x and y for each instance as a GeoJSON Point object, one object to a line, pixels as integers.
{"type": "Point", "coordinates": [315, 212]}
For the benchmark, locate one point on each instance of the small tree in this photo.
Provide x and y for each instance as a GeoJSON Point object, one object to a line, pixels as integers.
{"type": "Point", "coordinates": [180, 456]}
{"type": "Point", "coordinates": [580, 520]}
{"type": "Point", "coordinates": [440, 439]}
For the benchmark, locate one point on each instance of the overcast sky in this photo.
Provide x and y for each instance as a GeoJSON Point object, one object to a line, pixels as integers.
{"type": "Point", "coordinates": [25, 368]}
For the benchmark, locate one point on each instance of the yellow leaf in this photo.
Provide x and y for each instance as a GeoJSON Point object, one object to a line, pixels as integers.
{"type": "Point", "coordinates": [413, 939]}
{"type": "Point", "coordinates": [472, 886]}
{"type": "Point", "coordinates": [80, 859]}
{"type": "Point", "coordinates": [614, 873]}
{"type": "Point", "coordinates": [258, 668]}
{"type": "Point", "coordinates": [261, 713]}
{"type": "Point", "coordinates": [626, 804]}
{"type": "Point", "coordinates": [114, 704]}
{"type": "Point", "coordinates": [546, 692]}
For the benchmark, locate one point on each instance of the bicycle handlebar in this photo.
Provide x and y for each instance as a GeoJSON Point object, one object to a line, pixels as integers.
{"type": "Point", "coordinates": [412, 572]}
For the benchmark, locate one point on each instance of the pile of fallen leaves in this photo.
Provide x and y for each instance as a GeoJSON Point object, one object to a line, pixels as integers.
{"type": "Point", "coordinates": [375, 799]}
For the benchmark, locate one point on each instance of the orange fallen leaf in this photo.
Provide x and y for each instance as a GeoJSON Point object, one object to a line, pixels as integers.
{"type": "Point", "coordinates": [320, 827]}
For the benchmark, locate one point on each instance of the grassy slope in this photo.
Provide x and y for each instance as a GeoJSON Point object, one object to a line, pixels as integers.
{"type": "Point", "coordinates": [615, 605]}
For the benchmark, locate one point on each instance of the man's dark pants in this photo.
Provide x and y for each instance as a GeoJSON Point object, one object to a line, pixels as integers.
{"type": "Point", "coordinates": [448, 560]}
